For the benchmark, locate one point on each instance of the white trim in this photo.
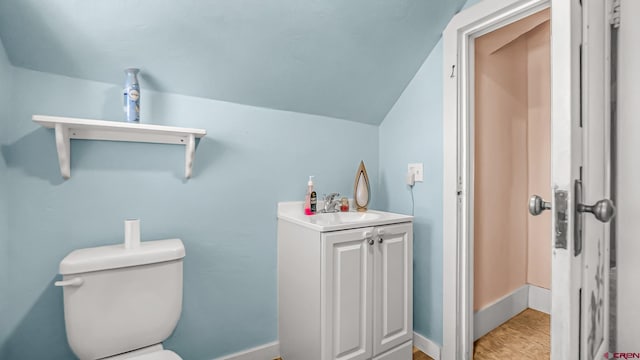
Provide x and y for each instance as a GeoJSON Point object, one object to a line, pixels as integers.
{"type": "Point", "coordinates": [262, 352]}
{"type": "Point", "coordinates": [566, 152]}
{"type": "Point", "coordinates": [628, 193]}
{"type": "Point", "coordinates": [497, 313]}
{"type": "Point", "coordinates": [540, 299]}
{"type": "Point", "coordinates": [426, 346]}
{"type": "Point", "coordinates": [458, 39]}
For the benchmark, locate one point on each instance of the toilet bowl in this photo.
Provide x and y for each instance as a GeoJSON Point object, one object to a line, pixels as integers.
{"type": "Point", "coordinates": [122, 303]}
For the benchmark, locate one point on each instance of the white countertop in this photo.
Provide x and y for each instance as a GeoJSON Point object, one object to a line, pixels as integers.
{"type": "Point", "coordinates": [293, 212]}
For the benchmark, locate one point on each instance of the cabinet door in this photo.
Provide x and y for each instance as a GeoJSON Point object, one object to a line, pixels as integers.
{"type": "Point", "coordinates": [347, 291]}
{"type": "Point", "coordinates": [392, 286]}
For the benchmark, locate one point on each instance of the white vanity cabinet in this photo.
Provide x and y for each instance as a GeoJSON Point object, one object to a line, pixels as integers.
{"type": "Point", "coordinates": [345, 294]}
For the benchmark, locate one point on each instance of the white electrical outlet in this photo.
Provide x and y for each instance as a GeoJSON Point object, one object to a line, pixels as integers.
{"type": "Point", "coordinates": [417, 170]}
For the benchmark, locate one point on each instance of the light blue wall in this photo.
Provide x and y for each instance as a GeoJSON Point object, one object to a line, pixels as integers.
{"type": "Point", "coordinates": [226, 215]}
{"type": "Point", "coordinates": [252, 158]}
{"type": "Point", "coordinates": [346, 59]}
{"type": "Point", "coordinates": [470, 3]}
{"type": "Point", "coordinates": [5, 90]}
{"type": "Point", "coordinates": [412, 132]}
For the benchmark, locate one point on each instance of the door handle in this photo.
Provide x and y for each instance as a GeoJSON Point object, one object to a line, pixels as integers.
{"type": "Point", "coordinates": [603, 210]}
{"type": "Point", "coordinates": [537, 205]}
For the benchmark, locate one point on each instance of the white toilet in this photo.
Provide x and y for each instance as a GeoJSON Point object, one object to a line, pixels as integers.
{"type": "Point", "coordinates": [123, 303]}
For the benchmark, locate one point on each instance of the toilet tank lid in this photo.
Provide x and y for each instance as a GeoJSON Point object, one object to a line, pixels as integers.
{"type": "Point", "coordinates": [116, 256]}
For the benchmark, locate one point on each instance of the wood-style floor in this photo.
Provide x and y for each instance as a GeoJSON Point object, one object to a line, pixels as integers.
{"type": "Point", "coordinates": [526, 336]}
{"type": "Point", "coordinates": [419, 355]}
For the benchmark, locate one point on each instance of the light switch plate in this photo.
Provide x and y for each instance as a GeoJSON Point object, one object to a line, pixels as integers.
{"type": "Point", "coordinates": [417, 170]}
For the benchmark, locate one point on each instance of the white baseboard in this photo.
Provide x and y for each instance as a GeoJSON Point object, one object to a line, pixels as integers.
{"type": "Point", "coordinates": [540, 299]}
{"type": "Point", "coordinates": [493, 315]}
{"type": "Point", "coordinates": [272, 350]}
{"type": "Point", "coordinates": [426, 346]}
{"type": "Point", "coordinates": [263, 352]}
{"type": "Point", "coordinates": [485, 320]}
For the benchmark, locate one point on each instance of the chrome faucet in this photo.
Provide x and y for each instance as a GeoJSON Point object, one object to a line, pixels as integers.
{"type": "Point", "coordinates": [331, 203]}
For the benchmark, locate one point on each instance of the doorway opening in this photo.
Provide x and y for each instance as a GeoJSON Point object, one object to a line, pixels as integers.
{"type": "Point", "coordinates": [580, 141]}
{"type": "Point", "coordinates": [511, 159]}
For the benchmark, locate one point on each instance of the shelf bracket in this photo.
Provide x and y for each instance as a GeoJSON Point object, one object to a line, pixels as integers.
{"type": "Point", "coordinates": [63, 146]}
{"type": "Point", "coordinates": [67, 129]}
{"type": "Point", "coordinates": [189, 156]}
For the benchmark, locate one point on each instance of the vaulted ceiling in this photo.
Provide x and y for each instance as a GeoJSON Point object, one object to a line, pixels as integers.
{"type": "Point", "coordinates": [348, 59]}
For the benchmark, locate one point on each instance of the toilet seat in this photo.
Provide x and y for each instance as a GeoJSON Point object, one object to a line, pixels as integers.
{"type": "Point", "coordinates": [158, 355]}
{"type": "Point", "coordinates": [153, 352]}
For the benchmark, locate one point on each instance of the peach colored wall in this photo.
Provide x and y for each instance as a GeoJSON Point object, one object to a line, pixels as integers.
{"type": "Point", "coordinates": [539, 150]}
{"type": "Point", "coordinates": [500, 248]}
{"type": "Point", "coordinates": [507, 165]}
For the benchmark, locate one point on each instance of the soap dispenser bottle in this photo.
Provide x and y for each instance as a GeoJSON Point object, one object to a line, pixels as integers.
{"type": "Point", "coordinates": [311, 199]}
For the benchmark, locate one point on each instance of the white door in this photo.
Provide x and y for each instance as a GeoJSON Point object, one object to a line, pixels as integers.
{"type": "Point", "coordinates": [628, 173]}
{"type": "Point", "coordinates": [392, 287]}
{"type": "Point", "coordinates": [347, 289]}
{"type": "Point", "coordinates": [580, 146]}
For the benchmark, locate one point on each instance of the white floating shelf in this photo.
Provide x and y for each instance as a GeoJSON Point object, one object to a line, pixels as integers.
{"type": "Point", "coordinates": [72, 128]}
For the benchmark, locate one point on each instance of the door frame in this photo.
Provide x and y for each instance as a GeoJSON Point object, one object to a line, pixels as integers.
{"type": "Point", "coordinates": [458, 161]}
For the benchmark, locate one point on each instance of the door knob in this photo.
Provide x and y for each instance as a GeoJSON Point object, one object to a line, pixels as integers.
{"type": "Point", "coordinates": [371, 241]}
{"type": "Point", "coordinates": [603, 210]}
{"type": "Point", "coordinates": [537, 205]}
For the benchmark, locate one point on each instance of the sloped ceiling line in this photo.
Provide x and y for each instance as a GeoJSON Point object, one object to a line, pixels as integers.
{"type": "Point", "coordinates": [344, 59]}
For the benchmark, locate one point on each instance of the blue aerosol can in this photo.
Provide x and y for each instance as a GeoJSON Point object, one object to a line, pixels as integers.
{"type": "Point", "coordinates": [132, 95]}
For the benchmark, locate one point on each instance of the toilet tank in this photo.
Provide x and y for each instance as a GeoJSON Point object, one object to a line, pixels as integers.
{"type": "Point", "coordinates": [127, 298]}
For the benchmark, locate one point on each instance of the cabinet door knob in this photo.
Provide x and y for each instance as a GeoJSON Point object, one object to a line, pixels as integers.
{"type": "Point", "coordinates": [367, 234]}
{"type": "Point", "coordinates": [380, 232]}
{"type": "Point", "coordinates": [380, 240]}
{"type": "Point", "coordinates": [371, 241]}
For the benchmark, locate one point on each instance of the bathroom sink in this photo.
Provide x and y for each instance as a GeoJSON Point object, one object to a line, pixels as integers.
{"type": "Point", "coordinates": [348, 217]}
{"type": "Point", "coordinates": [292, 212]}
{"type": "Point", "coordinates": [344, 218]}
